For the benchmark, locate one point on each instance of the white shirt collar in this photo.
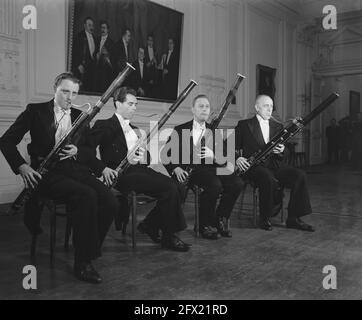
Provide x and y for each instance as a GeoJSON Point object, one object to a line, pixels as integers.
{"type": "Point", "coordinates": [198, 126]}
{"type": "Point", "coordinates": [261, 120]}
{"type": "Point", "coordinates": [122, 121]}
{"type": "Point", "coordinates": [58, 109]}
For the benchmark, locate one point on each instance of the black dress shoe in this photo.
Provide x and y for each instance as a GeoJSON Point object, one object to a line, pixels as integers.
{"type": "Point", "coordinates": [299, 224]}
{"type": "Point", "coordinates": [143, 227]}
{"type": "Point", "coordinates": [87, 273]}
{"type": "Point", "coordinates": [208, 232]}
{"type": "Point", "coordinates": [174, 243]}
{"type": "Point", "coordinates": [223, 227]}
{"type": "Point", "coordinates": [265, 224]}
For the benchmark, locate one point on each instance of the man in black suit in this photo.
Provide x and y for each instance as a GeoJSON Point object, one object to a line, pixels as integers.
{"type": "Point", "coordinates": [252, 135]}
{"type": "Point", "coordinates": [140, 78]}
{"type": "Point", "coordinates": [188, 142]}
{"type": "Point", "coordinates": [151, 58]}
{"type": "Point", "coordinates": [122, 52]}
{"type": "Point", "coordinates": [116, 137]}
{"type": "Point", "coordinates": [70, 180]}
{"type": "Point", "coordinates": [84, 56]}
{"type": "Point", "coordinates": [105, 46]}
{"type": "Point", "coordinates": [170, 63]}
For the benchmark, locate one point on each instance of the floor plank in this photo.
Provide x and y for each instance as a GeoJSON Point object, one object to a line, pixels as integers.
{"type": "Point", "coordinates": [254, 264]}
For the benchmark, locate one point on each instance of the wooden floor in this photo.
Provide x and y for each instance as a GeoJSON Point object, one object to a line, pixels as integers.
{"type": "Point", "coordinates": [254, 264]}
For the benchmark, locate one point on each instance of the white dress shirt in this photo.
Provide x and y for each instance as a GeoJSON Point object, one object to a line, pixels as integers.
{"type": "Point", "coordinates": [141, 68]}
{"type": "Point", "coordinates": [90, 43]}
{"type": "Point", "coordinates": [197, 131]}
{"type": "Point", "coordinates": [265, 129]}
{"type": "Point", "coordinates": [63, 122]}
{"type": "Point", "coordinates": [150, 53]}
{"type": "Point", "coordinates": [130, 135]}
{"type": "Point", "coordinates": [168, 56]}
{"type": "Point", "coordinates": [125, 48]}
{"type": "Point", "coordinates": [103, 41]}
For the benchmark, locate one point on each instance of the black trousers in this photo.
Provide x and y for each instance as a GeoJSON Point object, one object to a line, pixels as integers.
{"type": "Point", "coordinates": [94, 205]}
{"type": "Point", "coordinates": [229, 186]}
{"type": "Point", "coordinates": [266, 179]}
{"type": "Point", "coordinates": [167, 215]}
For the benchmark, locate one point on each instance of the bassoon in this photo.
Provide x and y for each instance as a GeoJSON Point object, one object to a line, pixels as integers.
{"type": "Point", "coordinates": [125, 164]}
{"type": "Point", "coordinates": [287, 133]}
{"type": "Point", "coordinates": [205, 139]}
{"type": "Point", "coordinates": [72, 135]}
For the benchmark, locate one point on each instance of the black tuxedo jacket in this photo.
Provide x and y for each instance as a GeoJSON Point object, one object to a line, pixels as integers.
{"type": "Point", "coordinates": [249, 139]}
{"type": "Point", "coordinates": [109, 136]}
{"type": "Point", "coordinates": [147, 55]}
{"type": "Point", "coordinates": [38, 119]}
{"type": "Point", "coordinates": [184, 148]}
{"type": "Point", "coordinates": [81, 53]}
{"type": "Point", "coordinates": [119, 56]}
{"type": "Point", "coordinates": [109, 46]}
{"type": "Point", "coordinates": [137, 81]}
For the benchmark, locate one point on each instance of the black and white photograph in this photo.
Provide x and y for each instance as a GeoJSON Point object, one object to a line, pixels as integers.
{"type": "Point", "coordinates": [105, 35]}
{"type": "Point", "coordinates": [180, 156]}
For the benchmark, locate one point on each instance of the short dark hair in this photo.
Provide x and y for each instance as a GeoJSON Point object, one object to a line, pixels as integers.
{"type": "Point", "coordinates": [150, 35]}
{"type": "Point", "coordinates": [199, 96]}
{"type": "Point", "coordinates": [104, 22]}
{"type": "Point", "coordinates": [87, 18]}
{"type": "Point", "coordinates": [124, 30]}
{"type": "Point", "coordinates": [121, 93]}
{"type": "Point", "coordinates": [65, 76]}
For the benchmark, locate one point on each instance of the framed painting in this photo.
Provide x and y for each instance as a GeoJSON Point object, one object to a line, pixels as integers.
{"type": "Point", "coordinates": [105, 35]}
{"type": "Point", "coordinates": [265, 81]}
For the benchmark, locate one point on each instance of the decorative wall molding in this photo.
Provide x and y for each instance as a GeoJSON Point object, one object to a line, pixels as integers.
{"type": "Point", "coordinates": [8, 19]}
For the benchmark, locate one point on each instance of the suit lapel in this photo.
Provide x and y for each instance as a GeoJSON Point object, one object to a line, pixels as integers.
{"type": "Point", "coordinates": [255, 129]}
{"type": "Point", "coordinates": [118, 129]}
{"type": "Point", "coordinates": [47, 120]}
{"type": "Point", "coordinates": [274, 128]}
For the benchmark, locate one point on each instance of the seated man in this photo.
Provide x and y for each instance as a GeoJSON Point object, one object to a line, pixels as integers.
{"type": "Point", "coordinates": [190, 136]}
{"type": "Point", "coordinates": [116, 137]}
{"type": "Point", "coordinates": [70, 180]}
{"type": "Point", "coordinates": [251, 135]}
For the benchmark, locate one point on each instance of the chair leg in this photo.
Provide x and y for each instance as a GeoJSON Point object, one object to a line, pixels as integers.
{"type": "Point", "coordinates": [255, 207]}
{"type": "Point", "coordinates": [134, 219]}
{"type": "Point", "coordinates": [197, 211]}
{"type": "Point", "coordinates": [34, 239]}
{"type": "Point", "coordinates": [68, 232]}
{"type": "Point", "coordinates": [242, 197]}
{"type": "Point", "coordinates": [53, 226]}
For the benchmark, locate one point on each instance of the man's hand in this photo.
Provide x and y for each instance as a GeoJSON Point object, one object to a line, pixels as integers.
{"type": "Point", "coordinates": [109, 175]}
{"type": "Point", "coordinates": [29, 176]}
{"type": "Point", "coordinates": [138, 156]}
{"type": "Point", "coordinates": [279, 149]}
{"type": "Point", "coordinates": [206, 153]}
{"type": "Point", "coordinates": [141, 92]}
{"type": "Point", "coordinates": [180, 174]}
{"type": "Point", "coordinates": [68, 151]}
{"type": "Point", "coordinates": [242, 163]}
{"type": "Point", "coordinates": [81, 69]}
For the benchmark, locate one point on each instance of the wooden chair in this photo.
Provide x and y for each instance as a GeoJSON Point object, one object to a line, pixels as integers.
{"type": "Point", "coordinates": [134, 200]}
{"type": "Point", "coordinates": [57, 208]}
{"type": "Point", "coordinates": [255, 203]}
